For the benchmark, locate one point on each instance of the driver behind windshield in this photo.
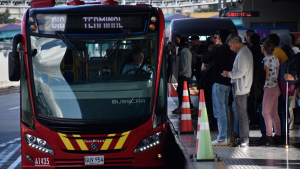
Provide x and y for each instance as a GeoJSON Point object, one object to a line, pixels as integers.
{"type": "Point", "coordinates": [138, 58]}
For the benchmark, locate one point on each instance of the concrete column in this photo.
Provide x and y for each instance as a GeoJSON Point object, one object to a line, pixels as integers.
{"type": "Point", "coordinates": [123, 2]}
{"type": "Point", "coordinates": [219, 4]}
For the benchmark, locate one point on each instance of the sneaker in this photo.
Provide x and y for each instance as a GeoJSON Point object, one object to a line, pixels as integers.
{"type": "Point", "coordinates": [240, 144]}
{"type": "Point", "coordinates": [177, 110]}
{"type": "Point", "coordinates": [219, 142]}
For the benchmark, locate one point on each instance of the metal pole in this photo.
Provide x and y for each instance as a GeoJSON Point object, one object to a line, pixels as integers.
{"type": "Point", "coordinates": [286, 112]}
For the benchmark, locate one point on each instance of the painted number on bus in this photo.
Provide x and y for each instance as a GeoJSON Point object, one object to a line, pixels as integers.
{"type": "Point", "coordinates": [42, 161]}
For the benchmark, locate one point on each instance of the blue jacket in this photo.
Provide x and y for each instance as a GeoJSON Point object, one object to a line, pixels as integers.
{"type": "Point", "coordinates": [133, 66]}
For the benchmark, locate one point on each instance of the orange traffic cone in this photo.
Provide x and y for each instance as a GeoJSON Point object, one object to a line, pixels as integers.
{"type": "Point", "coordinates": [200, 108]}
{"type": "Point", "coordinates": [186, 118]}
{"type": "Point", "coordinates": [172, 91]}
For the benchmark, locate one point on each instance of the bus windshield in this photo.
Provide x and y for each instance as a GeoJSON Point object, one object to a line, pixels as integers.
{"type": "Point", "coordinates": [97, 81]}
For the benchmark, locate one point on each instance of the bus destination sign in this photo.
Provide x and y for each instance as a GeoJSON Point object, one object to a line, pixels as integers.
{"type": "Point", "coordinates": [243, 14]}
{"type": "Point", "coordinates": [75, 24]}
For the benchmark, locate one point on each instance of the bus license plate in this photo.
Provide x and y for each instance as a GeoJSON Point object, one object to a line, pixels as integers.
{"type": "Point", "coordinates": [94, 160]}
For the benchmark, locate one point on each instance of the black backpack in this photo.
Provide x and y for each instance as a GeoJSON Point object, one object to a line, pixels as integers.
{"type": "Point", "coordinates": [291, 66]}
{"type": "Point", "coordinates": [259, 78]}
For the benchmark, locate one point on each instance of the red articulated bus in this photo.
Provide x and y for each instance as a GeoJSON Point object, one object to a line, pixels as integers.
{"type": "Point", "coordinates": [93, 85]}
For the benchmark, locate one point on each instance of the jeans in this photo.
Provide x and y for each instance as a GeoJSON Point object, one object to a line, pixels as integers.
{"type": "Point", "coordinates": [181, 80]}
{"type": "Point", "coordinates": [236, 120]}
{"type": "Point", "coordinates": [220, 96]}
{"type": "Point", "coordinates": [242, 114]}
{"type": "Point", "coordinates": [282, 115]}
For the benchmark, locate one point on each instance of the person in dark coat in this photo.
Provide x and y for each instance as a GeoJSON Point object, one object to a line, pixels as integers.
{"type": "Point", "coordinates": [223, 58]}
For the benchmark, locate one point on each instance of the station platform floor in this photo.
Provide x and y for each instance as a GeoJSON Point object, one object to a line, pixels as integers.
{"type": "Point", "coordinates": [252, 157]}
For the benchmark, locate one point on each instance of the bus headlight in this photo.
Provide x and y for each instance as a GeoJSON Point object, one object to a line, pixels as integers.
{"type": "Point", "coordinates": [149, 142]}
{"type": "Point", "coordinates": [38, 144]}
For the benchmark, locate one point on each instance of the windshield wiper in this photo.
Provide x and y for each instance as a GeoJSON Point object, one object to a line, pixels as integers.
{"type": "Point", "coordinates": [69, 44]}
{"type": "Point", "coordinates": [122, 37]}
{"type": "Point", "coordinates": [77, 53]}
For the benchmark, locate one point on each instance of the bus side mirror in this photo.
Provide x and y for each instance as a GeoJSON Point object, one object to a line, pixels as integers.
{"type": "Point", "coordinates": [14, 60]}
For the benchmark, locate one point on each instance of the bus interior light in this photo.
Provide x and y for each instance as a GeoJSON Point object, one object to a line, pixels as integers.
{"type": "Point", "coordinates": [38, 144]}
{"type": "Point", "coordinates": [149, 142]}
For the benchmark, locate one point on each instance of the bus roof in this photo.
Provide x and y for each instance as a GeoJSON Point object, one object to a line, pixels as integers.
{"type": "Point", "coordinates": [200, 26]}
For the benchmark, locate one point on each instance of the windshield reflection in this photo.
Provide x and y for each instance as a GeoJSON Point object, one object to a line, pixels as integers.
{"type": "Point", "coordinates": [115, 87]}
{"type": "Point", "coordinates": [48, 78]}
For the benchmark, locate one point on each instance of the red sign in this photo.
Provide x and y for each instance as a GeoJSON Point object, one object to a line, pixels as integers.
{"type": "Point", "coordinates": [243, 14]}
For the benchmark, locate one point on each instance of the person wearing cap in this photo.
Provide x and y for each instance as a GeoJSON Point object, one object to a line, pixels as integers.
{"type": "Point", "coordinates": [185, 71]}
{"type": "Point", "coordinates": [197, 50]}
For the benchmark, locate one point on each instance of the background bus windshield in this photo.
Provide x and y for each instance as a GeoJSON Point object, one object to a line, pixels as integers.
{"type": "Point", "coordinates": [93, 81]}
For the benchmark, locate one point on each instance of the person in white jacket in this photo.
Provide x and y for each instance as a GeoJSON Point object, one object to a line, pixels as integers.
{"type": "Point", "coordinates": [241, 79]}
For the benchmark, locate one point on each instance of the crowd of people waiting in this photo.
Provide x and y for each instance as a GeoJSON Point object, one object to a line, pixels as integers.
{"type": "Point", "coordinates": [242, 73]}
